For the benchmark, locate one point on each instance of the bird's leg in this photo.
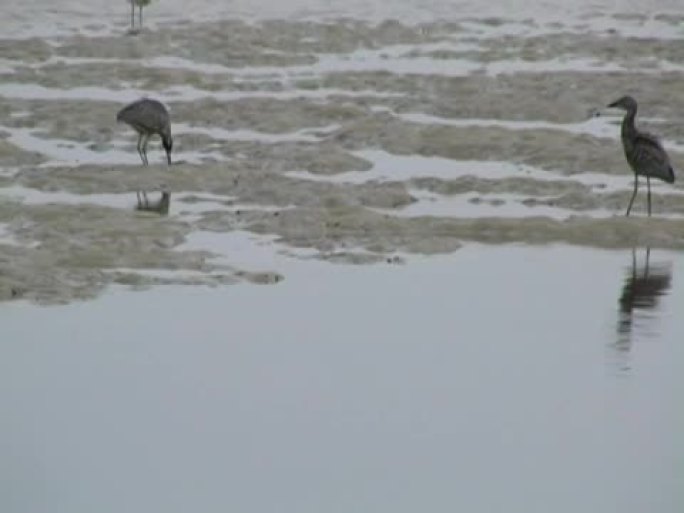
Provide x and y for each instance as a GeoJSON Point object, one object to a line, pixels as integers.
{"type": "Point", "coordinates": [140, 16]}
{"type": "Point", "coordinates": [132, 15]}
{"type": "Point", "coordinates": [146, 138]}
{"type": "Point", "coordinates": [142, 142]}
{"type": "Point", "coordinates": [636, 186]}
{"type": "Point", "coordinates": [140, 152]}
{"type": "Point", "coordinates": [142, 198]}
{"type": "Point", "coordinates": [141, 194]}
{"type": "Point", "coordinates": [648, 186]}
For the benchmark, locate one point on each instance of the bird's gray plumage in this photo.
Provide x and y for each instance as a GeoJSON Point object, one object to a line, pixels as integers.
{"type": "Point", "coordinates": [644, 153]}
{"type": "Point", "coordinates": [148, 117]}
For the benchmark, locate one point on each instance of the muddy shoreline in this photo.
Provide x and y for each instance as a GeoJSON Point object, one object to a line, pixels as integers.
{"type": "Point", "coordinates": [270, 122]}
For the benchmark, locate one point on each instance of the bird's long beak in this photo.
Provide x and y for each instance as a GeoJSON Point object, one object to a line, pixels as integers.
{"type": "Point", "coordinates": [612, 105]}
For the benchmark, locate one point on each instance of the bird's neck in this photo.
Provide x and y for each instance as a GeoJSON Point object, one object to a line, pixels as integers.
{"type": "Point", "coordinates": [166, 136]}
{"type": "Point", "coordinates": [628, 128]}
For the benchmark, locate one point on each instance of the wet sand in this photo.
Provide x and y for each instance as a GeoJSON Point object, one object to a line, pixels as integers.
{"type": "Point", "coordinates": [340, 136]}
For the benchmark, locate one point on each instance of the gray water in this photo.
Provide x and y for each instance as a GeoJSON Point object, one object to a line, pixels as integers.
{"type": "Point", "coordinates": [496, 379]}
{"type": "Point", "coordinates": [483, 378]}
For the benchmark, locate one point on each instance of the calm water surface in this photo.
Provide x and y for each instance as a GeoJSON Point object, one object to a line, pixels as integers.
{"type": "Point", "coordinates": [496, 379]}
{"type": "Point", "coordinates": [493, 380]}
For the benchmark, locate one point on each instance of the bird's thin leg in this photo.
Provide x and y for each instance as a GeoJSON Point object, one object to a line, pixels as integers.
{"type": "Point", "coordinates": [144, 147]}
{"type": "Point", "coordinates": [142, 141]}
{"type": "Point", "coordinates": [648, 257]}
{"type": "Point", "coordinates": [142, 198]}
{"type": "Point", "coordinates": [648, 186]}
{"type": "Point", "coordinates": [636, 186]}
{"type": "Point", "coordinates": [140, 17]}
{"type": "Point", "coordinates": [132, 15]}
{"type": "Point", "coordinates": [141, 194]}
{"type": "Point", "coordinates": [146, 138]}
{"type": "Point", "coordinates": [140, 152]}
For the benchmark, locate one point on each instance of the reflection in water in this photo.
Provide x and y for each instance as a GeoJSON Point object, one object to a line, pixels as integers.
{"type": "Point", "coordinates": [644, 284]}
{"type": "Point", "coordinates": [160, 206]}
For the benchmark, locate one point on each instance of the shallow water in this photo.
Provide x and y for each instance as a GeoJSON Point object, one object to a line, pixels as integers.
{"type": "Point", "coordinates": [494, 379]}
{"type": "Point", "coordinates": [307, 319]}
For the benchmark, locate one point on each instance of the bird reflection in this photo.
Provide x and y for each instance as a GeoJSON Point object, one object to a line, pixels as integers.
{"type": "Point", "coordinates": [643, 287]}
{"type": "Point", "coordinates": [161, 206]}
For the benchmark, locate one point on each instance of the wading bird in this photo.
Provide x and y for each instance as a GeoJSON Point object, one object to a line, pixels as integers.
{"type": "Point", "coordinates": [148, 117]}
{"type": "Point", "coordinates": [644, 153]}
{"type": "Point", "coordinates": [140, 4]}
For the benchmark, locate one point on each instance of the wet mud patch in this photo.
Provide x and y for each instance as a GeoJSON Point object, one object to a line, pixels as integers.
{"type": "Point", "coordinates": [343, 141]}
{"type": "Point", "coordinates": [25, 51]}
{"type": "Point", "coordinates": [62, 253]}
{"type": "Point", "coordinates": [12, 156]}
{"type": "Point", "coordinates": [383, 233]}
{"type": "Point", "coordinates": [235, 43]}
{"type": "Point", "coordinates": [562, 96]}
{"type": "Point", "coordinates": [547, 149]}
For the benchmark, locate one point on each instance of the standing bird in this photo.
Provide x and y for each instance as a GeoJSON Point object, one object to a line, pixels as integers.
{"type": "Point", "coordinates": [644, 153]}
{"type": "Point", "coordinates": [140, 4]}
{"type": "Point", "coordinates": [148, 117]}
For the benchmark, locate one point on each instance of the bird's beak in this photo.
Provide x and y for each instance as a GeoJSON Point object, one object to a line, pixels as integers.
{"type": "Point", "coordinates": [612, 105]}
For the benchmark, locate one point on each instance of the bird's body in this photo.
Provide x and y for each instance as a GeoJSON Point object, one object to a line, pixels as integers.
{"type": "Point", "coordinates": [644, 153]}
{"type": "Point", "coordinates": [148, 117]}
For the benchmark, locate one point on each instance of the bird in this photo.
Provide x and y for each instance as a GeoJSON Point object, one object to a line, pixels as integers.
{"type": "Point", "coordinates": [148, 117]}
{"type": "Point", "coordinates": [140, 4]}
{"type": "Point", "coordinates": [644, 153]}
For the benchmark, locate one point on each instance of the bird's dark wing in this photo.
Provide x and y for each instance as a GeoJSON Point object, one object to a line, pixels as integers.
{"type": "Point", "coordinates": [125, 114]}
{"type": "Point", "coordinates": [145, 113]}
{"type": "Point", "coordinates": [651, 158]}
